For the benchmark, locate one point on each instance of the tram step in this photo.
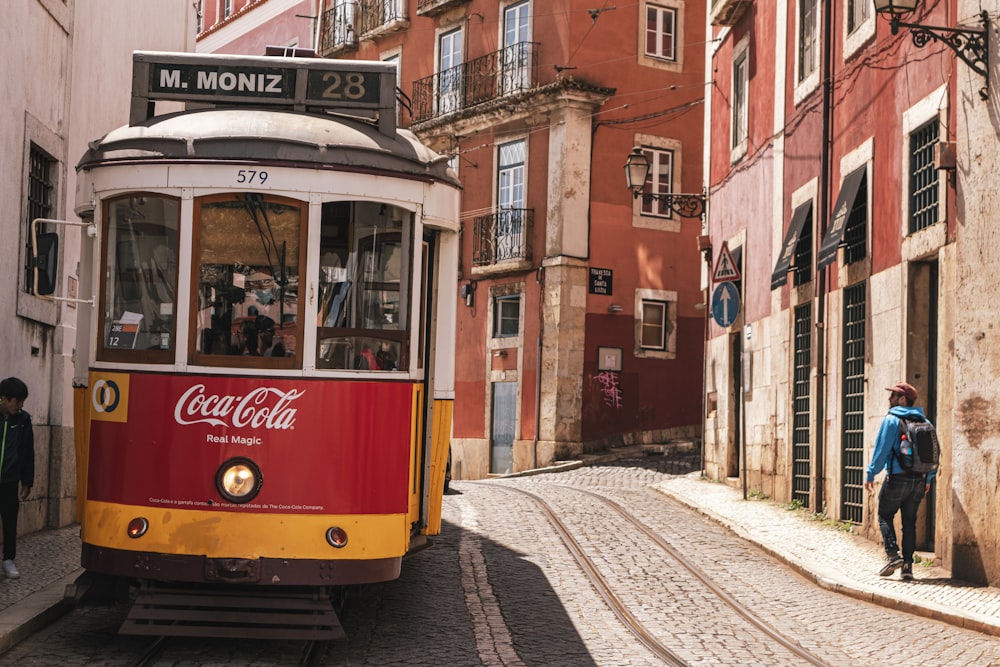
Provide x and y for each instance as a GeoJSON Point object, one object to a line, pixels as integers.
{"type": "Point", "coordinates": [243, 614]}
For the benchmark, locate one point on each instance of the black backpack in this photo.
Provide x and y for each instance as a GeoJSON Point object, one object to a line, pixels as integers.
{"type": "Point", "coordinates": [919, 450]}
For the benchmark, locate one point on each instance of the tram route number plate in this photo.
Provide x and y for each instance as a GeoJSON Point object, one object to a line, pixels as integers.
{"type": "Point", "coordinates": [122, 336]}
{"type": "Point", "coordinates": [324, 87]}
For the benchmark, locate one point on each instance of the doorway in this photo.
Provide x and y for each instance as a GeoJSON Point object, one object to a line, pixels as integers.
{"type": "Point", "coordinates": [503, 427]}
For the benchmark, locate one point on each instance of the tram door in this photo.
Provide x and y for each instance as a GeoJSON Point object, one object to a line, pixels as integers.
{"type": "Point", "coordinates": [502, 430]}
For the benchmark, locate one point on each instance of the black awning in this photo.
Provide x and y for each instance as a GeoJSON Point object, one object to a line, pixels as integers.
{"type": "Point", "coordinates": [841, 212]}
{"type": "Point", "coordinates": [780, 274]}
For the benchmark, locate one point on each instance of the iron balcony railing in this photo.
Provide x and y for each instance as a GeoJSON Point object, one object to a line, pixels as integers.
{"type": "Point", "coordinates": [511, 70]}
{"type": "Point", "coordinates": [349, 20]}
{"type": "Point", "coordinates": [376, 14]}
{"type": "Point", "coordinates": [502, 236]}
{"type": "Point", "coordinates": [337, 31]}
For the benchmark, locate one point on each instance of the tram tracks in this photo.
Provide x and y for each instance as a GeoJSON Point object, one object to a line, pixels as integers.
{"type": "Point", "coordinates": [621, 609]}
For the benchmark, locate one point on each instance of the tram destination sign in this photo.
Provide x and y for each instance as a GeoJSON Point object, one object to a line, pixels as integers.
{"type": "Point", "coordinates": [291, 83]}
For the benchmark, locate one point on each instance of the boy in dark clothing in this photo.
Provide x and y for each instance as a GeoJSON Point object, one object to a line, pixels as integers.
{"type": "Point", "coordinates": [17, 464]}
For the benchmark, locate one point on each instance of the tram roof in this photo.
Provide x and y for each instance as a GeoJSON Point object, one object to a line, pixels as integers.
{"type": "Point", "coordinates": [272, 137]}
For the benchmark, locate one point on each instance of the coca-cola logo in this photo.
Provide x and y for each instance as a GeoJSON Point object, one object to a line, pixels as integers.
{"type": "Point", "coordinates": [263, 407]}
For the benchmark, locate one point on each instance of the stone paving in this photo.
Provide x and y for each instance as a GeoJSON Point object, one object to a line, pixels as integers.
{"type": "Point", "coordinates": [839, 560]}
{"type": "Point", "coordinates": [834, 559]}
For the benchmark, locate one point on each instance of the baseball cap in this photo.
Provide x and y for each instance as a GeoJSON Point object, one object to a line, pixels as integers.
{"type": "Point", "coordinates": [905, 389]}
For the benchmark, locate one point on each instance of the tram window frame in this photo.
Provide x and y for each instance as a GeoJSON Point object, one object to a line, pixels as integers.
{"type": "Point", "coordinates": [363, 347]}
{"type": "Point", "coordinates": [196, 331]}
{"type": "Point", "coordinates": [109, 319]}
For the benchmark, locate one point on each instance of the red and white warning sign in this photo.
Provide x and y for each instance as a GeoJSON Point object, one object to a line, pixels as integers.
{"type": "Point", "coordinates": [725, 266]}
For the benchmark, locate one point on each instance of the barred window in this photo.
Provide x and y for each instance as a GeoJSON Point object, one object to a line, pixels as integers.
{"type": "Point", "coordinates": [41, 186]}
{"type": "Point", "coordinates": [923, 177]}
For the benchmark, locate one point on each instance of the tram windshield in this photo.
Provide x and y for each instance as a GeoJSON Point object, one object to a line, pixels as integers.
{"type": "Point", "coordinates": [140, 284]}
{"type": "Point", "coordinates": [246, 265]}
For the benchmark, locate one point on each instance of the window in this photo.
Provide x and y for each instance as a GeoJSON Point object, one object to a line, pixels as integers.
{"type": "Point", "coordinates": [659, 181]}
{"type": "Point", "coordinates": [802, 260]}
{"type": "Point", "coordinates": [139, 294]}
{"type": "Point", "coordinates": [923, 177]}
{"type": "Point", "coordinates": [856, 231]}
{"type": "Point", "coordinates": [507, 316]}
{"type": "Point", "coordinates": [741, 118]}
{"type": "Point", "coordinates": [808, 39]}
{"type": "Point", "coordinates": [200, 15]}
{"type": "Point", "coordinates": [515, 59]}
{"type": "Point", "coordinates": [655, 324]}
{"type": "Point", "coordinates": [450, 71]}
{"type": "Point", "coordinates": [342, 18]}
{"type": "Point", "coordinates": [41, 184]}
{"type": "Point", "coordinates": [246, 267]}
{"type": "Point", "coordinates": [227, 8]}
{"type": "Point", "coordinates": [661, 32]}
{"type": "Point", "coordinates": [364, 302]}
{"type": "Point", "coordinates": [510, 199]}
{"type": "Point", "coordinates": [858, 12]}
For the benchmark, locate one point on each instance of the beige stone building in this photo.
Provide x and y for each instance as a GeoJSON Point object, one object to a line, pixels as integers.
{"type": "Point", "coordinates": [67, 80]}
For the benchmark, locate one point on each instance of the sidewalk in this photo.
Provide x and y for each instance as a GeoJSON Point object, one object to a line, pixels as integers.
{"type": "Point", "coordinates": [49, 561]}
{"type": "Point", "coordinates": [838, 560]}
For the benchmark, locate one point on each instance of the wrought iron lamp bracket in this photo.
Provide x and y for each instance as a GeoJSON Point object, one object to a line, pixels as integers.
{"type": "Point", "coordinates": [969, 44]}
{"type": "Point", "coordinates": [683, 204]}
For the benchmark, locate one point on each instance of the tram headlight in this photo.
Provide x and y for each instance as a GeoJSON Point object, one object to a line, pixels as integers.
{"type": "Point", "coordinates": [239, 480]}
{"type": "Point", "coordinates": [137, 527]}
{"type": "Point", "coordinates": [337, 537]}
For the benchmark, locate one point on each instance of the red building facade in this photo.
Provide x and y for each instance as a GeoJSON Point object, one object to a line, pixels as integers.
{"type": "Point", "coordinates": [830, 178]}
{"type": "Point", "coordinates": [582, 318]}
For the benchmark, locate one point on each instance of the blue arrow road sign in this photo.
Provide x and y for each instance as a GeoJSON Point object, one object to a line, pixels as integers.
{"type": "Point", "coordinates": [725, 304]}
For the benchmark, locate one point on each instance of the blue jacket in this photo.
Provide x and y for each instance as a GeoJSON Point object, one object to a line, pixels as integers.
{"type": "Point", "coordinates": [887, 442]}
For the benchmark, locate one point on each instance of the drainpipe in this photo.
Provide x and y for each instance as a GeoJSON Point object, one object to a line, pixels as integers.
{"type": "Point", "coordinates": [824, 220]}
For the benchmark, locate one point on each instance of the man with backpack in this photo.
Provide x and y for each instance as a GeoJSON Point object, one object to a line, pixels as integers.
{"type": "Point", "coordinates": [907, 479]}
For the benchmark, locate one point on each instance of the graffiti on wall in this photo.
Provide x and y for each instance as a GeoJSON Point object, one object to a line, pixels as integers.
{"type": "Point", "coordinates": [611, 390]}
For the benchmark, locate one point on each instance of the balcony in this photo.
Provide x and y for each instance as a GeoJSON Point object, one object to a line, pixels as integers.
{"type": "Point", "coordinates": [501, 240]}
{"type": "Point", "coordinates": [337, 33]}
{"type": "Point", "coordinates": [490, 77]}
{"type": "Point", "coordinates": [728, 12]}
{"type": "Point", "coordinates": [379, 17]}
{"type": "Point", "coordinates": [435, 7]}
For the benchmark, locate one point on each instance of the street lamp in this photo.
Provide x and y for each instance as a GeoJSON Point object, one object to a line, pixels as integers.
{"type": "Point", "coordinates": [969, 44]}
{"type": "Point", "coordinates": [636, 173]}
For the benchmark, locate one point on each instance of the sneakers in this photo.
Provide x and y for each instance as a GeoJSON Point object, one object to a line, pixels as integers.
{"type": "Point", "coordinates": [10, 569]}
{"type": "Point", "coordinates": [891, 565]}
{"type": "Point", "coordinates": [907, 572]}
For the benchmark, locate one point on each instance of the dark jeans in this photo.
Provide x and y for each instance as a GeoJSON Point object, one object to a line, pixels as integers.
{"type": "Point", "coordinates": [9, 504]}
{"type": "Point", "coordinates": [904, 494]}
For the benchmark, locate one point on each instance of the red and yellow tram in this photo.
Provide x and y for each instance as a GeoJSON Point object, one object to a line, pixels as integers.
{"type": "Point", "coordinates": [269, 372]}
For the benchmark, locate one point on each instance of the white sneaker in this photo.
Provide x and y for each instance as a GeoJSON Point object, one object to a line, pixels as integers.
{"type": "Point", "coordinates": [10, 569]}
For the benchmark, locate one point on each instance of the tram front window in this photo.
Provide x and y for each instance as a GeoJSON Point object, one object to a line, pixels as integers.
{"type": "Point", "coordinates": [247, 272]}
{"type": "Point", "coordinates": [140, 283]}
{"type": "Point", "coordinates": [364, 287]}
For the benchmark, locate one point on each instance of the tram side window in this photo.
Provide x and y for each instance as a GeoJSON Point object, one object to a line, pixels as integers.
{"type": "Point", "coordinates": [364, 287]}
{"type": "Point", "coordinates": [247, 271]}
{"type": "Point", "coordinates": [140, 281]}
